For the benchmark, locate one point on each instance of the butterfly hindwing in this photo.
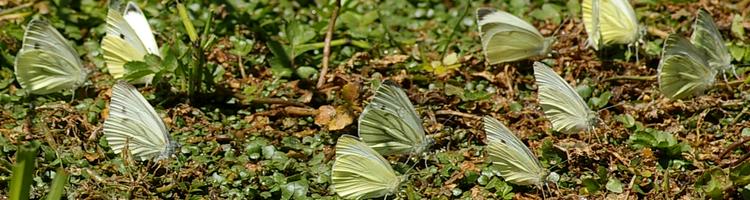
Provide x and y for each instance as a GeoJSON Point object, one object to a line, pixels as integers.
{"type": "Point", "coordinates": [361, 173]}
{"type": "Point", "coordinates": [134, 122]}
{"type": "Point", "coordinates": [561, 103]}
{"type": "Point", "coordinates": [508, 38]}
{"type": "Point", "coordinates": [135, 18]}
{"type": "Point", "coordinates": [390, 124]}
{"type": "Point", "coordinates": [47, 63]}
{"type": "Point", "coordinates": [683, 70]}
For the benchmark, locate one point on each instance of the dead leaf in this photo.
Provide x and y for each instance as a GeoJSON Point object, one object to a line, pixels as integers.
{"type": "Point", "coordinates": [325, 114]}
{"type": "Point", "coordinates": [342, 119]}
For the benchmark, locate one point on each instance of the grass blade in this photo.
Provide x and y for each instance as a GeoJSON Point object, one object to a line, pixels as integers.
{"type": "Point", "coordinates": [23, 171]}
{"type": "Point", "coordinates": [57, 188]}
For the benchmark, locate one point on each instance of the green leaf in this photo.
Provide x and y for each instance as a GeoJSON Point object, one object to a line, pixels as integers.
{"type": "Point", "coordinates": [584, 90]}
{"type": "Point", "coordinates": [737, 51]}
{"type": "Point", "coordinates": [23, 171]}
{"type": "Point", "coordinates": [738, 29]}
{"type": "Point", "coordinates": [592, 186]}
{"type": "Point", "coordinates": [306, 72]}
{"type": "Point", "coordinates": [627, 120]}
{"type": "Point", "coordinates": [713, 182]}
{"type": "Point", "coordinates": [740, 175]}
{"type": "Point", "coordinates": [295, 190]}
{"type": "Point", "coordinates": [614, 185]}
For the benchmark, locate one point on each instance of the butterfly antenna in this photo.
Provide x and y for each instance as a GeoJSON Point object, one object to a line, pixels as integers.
{"type": "Point", "coordinates": [565, 22]}
{"type": "Point", "coordinates": [612, 106]}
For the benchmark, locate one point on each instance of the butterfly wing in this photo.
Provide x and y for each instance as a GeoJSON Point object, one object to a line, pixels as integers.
{"type": "Point", "coordinates": [683, 70]}
{"type": "Point", "coordinates": [508, 38]}
{"type": "Point", "coordinates": [124, 42]}
{"type": "Point", "coordinates": [618, 24]}
{"type": "Point", "coordinates": [134, 122]}
{"type": "Point", "coordinates": [707, 38]}
{"type": "Point", "coordinates": [561, 103]}
{"type": "Point", "coordinates": [135, 18]}
{"type": "Point", "coordinates": [390, 124]}
{"type": "Point", "coordinates": [361, 173]}
{"type": "Point", "coordinates": [590, 9]}
{"type": "Point", "coordinates": [514, 160]}
{"type": "Point", "coordinates": [47, 63]}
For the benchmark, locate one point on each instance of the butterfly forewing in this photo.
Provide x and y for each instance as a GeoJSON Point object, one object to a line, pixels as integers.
{"type": "Point", "coordinates": [47, 63]}
{"type": "Point", "coordinates": [134, 122]}
{"type": "Point", "coordinates": [590, 9]}
{"type": "Point", "coordinates": [129, 38]}
{"type": "Point", "coordinates": [561, 103]}
{"type": "Point", "coordinates": [683, 70]}
{"type": "Point", "coordinates": [135, 18]}
{"type": "Point", "coordinates": [707, 38]}
{"type": "Point", "coordinates": [390, 124]}
{"type": "Point", "coordinates": [508, 38]}
{"type": "Point", "coordinates": [359, 172]}
{"type": "Point", "coordinates": [516, 163]}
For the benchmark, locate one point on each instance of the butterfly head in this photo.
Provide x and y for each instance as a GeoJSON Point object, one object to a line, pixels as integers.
{"type": "Point", "coordinates": [426, 144]}
{"type": "Point", "coordinates": [547, 47]}
{"type": "Point", "coordinates": [169, 151]}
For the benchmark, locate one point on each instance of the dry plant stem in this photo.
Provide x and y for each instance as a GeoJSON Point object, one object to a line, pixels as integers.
{"type": "Point", "coordinates": [657, 32]}
{"type": "Point", "coordinates": [14, 9]}
{"type": "Point", "coordinates": [634, 78]}
{"type": "Point", "coordinates": [734, 146]}
{"type": "Point", "coordinates": [327, 47]}
{"type": "Point", "coordinates": [456, 113]}
{"type": "Point", "coordinates": [276, 101]}
{"type": "Point", "coordinates": [279, 101]}
{"type": "Point", "coordinates": [242, 67]}
{"type": "Point", "coordinates": [299, 111]}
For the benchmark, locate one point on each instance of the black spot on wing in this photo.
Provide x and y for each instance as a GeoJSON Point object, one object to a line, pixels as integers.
{"type": "Point", "coordinates": [122, 36]}
{"type": "Point", "coordinates": [36, 45]}
{"type": "Point", "coordinates": [482, 12]}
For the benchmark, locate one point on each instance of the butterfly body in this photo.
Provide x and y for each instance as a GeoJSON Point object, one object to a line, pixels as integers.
{"type": "Point", "coordinates": [47, 63]}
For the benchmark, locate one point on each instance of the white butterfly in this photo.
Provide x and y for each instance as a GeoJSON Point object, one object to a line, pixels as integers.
{"type": "Point", "coordinates": [683, 70]}
{"type": "Point", "coordinates": [129, 38]}
{"type": "Point", "coordinates": [361, 173]}
{"type": "Point", "coordinates": [609, 22]}
{"type": "Point", "coordinates": [134, 122]}
{"type": "Point", "coordinates": [561, 103]}
{"type": "Point", "coordinates": [390, 124]}
{"type": "Point", "coordinates": [707, 38]}
{"type": "Point", "coordinates": [508, 38]}
{"type": "Point", "coordinates": [47, 63]}
{"type": "Point", "coordinates": [517, 164]}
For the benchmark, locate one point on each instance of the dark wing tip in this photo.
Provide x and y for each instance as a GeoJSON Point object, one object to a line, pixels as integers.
{"type": "Point", "coordinates": [482, 12]}
{"type": "Point", "coordinates": [132, 7]}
